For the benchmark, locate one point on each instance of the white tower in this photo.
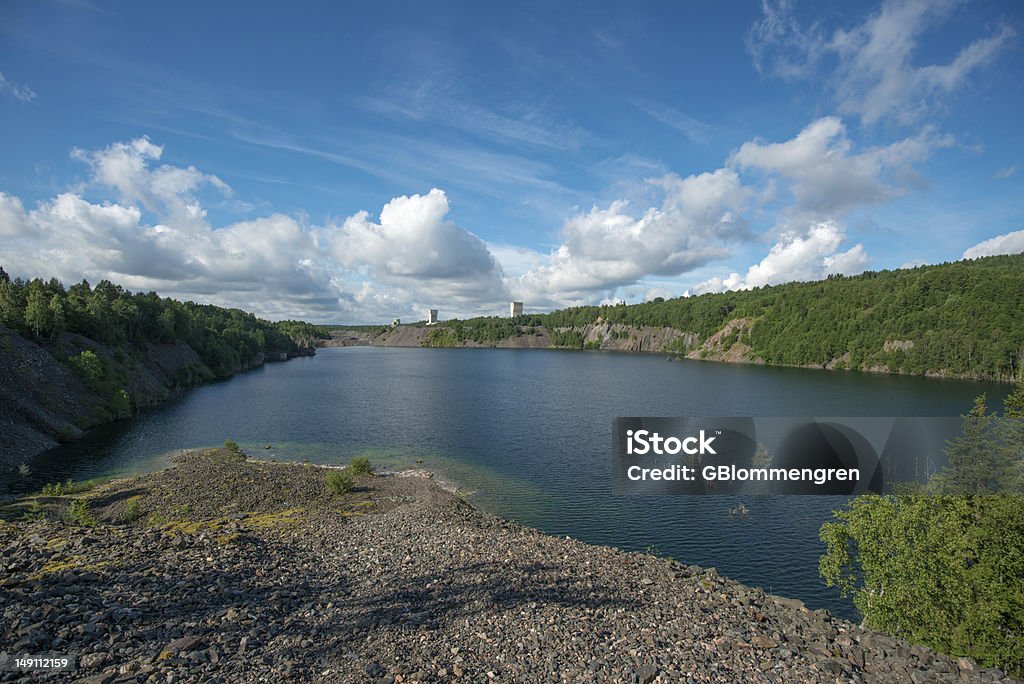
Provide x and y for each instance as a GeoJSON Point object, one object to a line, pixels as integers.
{"type": "Point", "coordinates": [515, 309]}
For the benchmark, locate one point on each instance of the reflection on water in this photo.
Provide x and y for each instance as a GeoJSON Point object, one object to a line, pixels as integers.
{"type": "Point", "coordinates": [529, 431]}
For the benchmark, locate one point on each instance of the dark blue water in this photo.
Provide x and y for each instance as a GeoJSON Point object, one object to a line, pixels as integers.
{"type": "Point", "coordinates": [529, 432]}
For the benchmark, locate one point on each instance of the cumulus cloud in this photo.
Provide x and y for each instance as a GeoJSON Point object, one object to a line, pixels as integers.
{"type": "Point", "coordinates": [796, 257]}
{"type": "Point", "coordinates": [168, 191]}
{"type": "Point", "coordinates": [605, 248]}
{"type": "Point", "coordinates": [414, 246]}
{"type": "Point", "coordinates": [155, 236]}
{"type": "Point", "coordinates": [21, 93]}
{"type": "Point", "coordinates": [12, 216]}
{"type": "Point", "coordinates": [825, 175]}
{"type": "Point", "coordinates": [1008, 243]}
{"type": "Point", "coordinates": [875, 76]}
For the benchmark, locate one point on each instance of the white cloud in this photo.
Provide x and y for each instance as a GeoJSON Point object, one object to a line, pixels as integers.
{"type": "Point", "coordinates": [796, 257]}
{"type": "Point", "coordinates": [826, 177]}
{"type": "Point", "coordinates": [653, 293]}
{"type": "Point", "coordinates": [167, 190]}
{"type": "Point", "coordinates": [1005, 172]}
{"type": "Point", "coordinates": [695, 130]}
{"type": "Point", "coordinates": [21, 93]}
{"type": "Point", "coordinates": [156, 236]}
{"type": "Point", "coordinates": [875, 75]}
{"type": "Point", "coordinates": [1008, 243]}
{"type": "Point", "coordinates": [779, 44]}
{"type": "Point", "coordinates": [699, 217]}
{"type": "Point", "coordinates": [12, 216]}
{"type": "Point", "coordinates": [415, 248]}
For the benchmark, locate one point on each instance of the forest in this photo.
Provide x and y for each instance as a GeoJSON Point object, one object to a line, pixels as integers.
{"type": "Point", "coordinates": [958, 319]}
{"type": "Point", "coordinates": [225, 339]}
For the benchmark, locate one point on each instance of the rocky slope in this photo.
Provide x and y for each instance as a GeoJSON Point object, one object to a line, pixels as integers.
{"type": "Point", "coordinates": [43, 402]}
{"type": "Point", "coordinates": [225, 569]}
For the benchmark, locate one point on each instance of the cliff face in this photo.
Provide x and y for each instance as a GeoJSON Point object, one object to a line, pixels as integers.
{"type": "Point", "coordinates": [43, 402]}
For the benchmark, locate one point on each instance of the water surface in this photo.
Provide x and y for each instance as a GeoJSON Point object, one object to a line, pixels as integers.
{"type": "Point", "coordinates": [529, 431]}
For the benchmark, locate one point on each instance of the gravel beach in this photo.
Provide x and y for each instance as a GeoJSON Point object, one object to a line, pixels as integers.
{"type": "Point", "coordinates": [225, 569]}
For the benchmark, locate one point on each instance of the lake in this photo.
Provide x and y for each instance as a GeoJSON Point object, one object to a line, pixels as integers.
{"type": "Point", "coordinates": [529, 433]}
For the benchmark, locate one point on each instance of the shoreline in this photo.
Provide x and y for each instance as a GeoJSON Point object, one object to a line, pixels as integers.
{"type": "Point", "coordinates": [248, 570]}
{"type": "Point", "coordinates": [412, 337]}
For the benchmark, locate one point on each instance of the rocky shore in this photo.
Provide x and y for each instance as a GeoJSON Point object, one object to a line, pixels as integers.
{"type": "Point", "coordinates": [224, 569]}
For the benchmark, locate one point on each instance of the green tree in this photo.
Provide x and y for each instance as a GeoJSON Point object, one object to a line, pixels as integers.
{"type": "Point", "coordinates": [57, 321]}
{"type": "Point", "coordinates": [38, 315]}
{"type": "Point", "coordinates": [947, 569]}
{"type": "Point", "coordinates": [11, 304]}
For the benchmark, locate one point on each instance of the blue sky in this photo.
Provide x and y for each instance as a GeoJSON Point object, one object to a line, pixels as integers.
{"type": "Point", "coordinates": [342, 162]}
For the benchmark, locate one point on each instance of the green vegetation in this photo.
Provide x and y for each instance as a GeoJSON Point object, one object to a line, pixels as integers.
{"type": "Point", "coordinates": [339, 482]}
{"type": "Point", "coordinates": [132, 510]}
{"type": "Point", "coordinates": [943, 567]}
{"type": "Point", "coordinates": [360, 465]}
{"type": "Point", "coordinates": [78, 513]}
{"type": "Point", "coordinates": [34, 511]}
{"type": "Point", "coordinates": [225, 339]}
{"type": "Point", "coordinates": [89, 367]}
{"type": "Point", "coordinates": [67, 487]}
{"type": "Point", "coordinates": [232, 446]}
{"type": "Point", "coordinates": [961, 318]}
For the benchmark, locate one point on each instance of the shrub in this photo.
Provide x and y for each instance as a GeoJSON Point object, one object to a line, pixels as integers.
{"type": "Point", "coordinates": [232, 446]}
{"type": "Point", "coordinates": [360, 465]}
{"type": "Point", "coordinates": [78, 513]}
{"type": "Point", "coordinates": [34, 511]}
{"type": "Point", "coordinates": [132, 510]}
{"type": "Point", "coordinates": [89, 367]}
{"type": "Point", "coordinates": [69, 486]}
{"type": "Point", "coordinates": [339, 482]}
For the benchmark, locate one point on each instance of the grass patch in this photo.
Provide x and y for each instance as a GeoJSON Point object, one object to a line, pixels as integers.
{"type": "Point", "coordinates": [360, 465]}
{"type": "Point", "coordinates": [156, 519]}
{"type": "Point", "coordinates": [70, 563]}
{"type": "Point", "coordinates": [339, 482]}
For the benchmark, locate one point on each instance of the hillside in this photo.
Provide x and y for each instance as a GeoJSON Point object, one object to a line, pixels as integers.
{"type": "Point", "coordinates": [963, 319]}
{"type": "Point", "coordinates": [73, 358]}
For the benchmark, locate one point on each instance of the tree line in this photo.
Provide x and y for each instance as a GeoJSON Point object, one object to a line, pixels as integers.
{"type": "Point", "coordinates": [961, 319]}
{"type": "Point", "coordinates": [226, 339]}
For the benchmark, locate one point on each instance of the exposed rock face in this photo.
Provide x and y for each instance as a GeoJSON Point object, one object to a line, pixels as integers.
{"type": "Point", "coordinates": [43, 402]}
{"type": "Point", "coordinates": [39, 400]}
{"type": "Point", "coordinates": [897, 345]}
{"type": "Point", "coordinates": [249, 572]}
{"type": "Point", "coordinates": [726, 344]}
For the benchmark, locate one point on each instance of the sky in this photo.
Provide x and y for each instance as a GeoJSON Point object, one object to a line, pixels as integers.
{"type": "Point", "coordinates": [357, 162]}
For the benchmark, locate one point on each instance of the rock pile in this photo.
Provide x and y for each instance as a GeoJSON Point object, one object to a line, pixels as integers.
{"type": "Point", "coordinates": [252, 572]}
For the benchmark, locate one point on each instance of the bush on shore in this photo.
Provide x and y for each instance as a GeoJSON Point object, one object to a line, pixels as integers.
{"type": "Point", "coordinates": [339, 482]}
{"type": "Point", "coordinates": [360, 465]}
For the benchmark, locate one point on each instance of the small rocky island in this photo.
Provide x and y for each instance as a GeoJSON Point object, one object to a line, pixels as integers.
{"type": "Point", "coordinates": [227, 569]}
